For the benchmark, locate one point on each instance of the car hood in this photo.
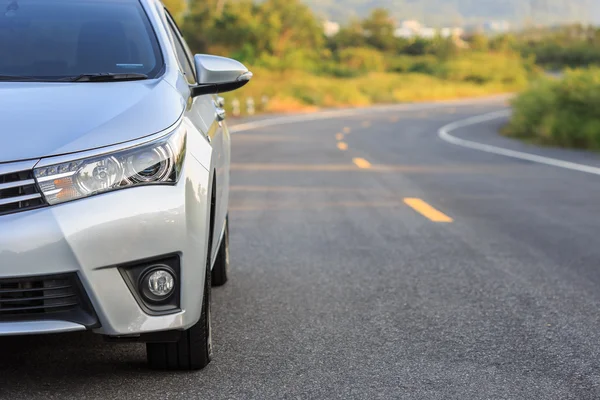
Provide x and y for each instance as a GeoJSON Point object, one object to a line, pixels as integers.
{"type": "Point", "coordinates": [45, 119]}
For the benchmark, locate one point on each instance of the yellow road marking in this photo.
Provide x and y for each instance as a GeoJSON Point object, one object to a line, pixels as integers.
{"type": "Point", "coordinates": [342, 146]}
{"type": "Point", "coordinates": [394, 119]}
{"type": "Point", "coordinates": [426, 210]}
{"type": "Point", "coordinates": [361, 163]}
{"type": "Point", "coordinates": [347, 130]}
{"type": "Point", "coordinates": [366, 124]}
{"type": "Point", "coordinates": [339, 136]}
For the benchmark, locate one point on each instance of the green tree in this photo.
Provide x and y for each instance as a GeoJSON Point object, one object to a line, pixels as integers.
{"type": "Point", "coordinates": [504, 42]}
{"type": "Point", "coordinates": [418, 47]}
{"type": "Point", "coordinates": [478, 42]}
{"type": "Point", "coordinates": [443, 48]}
{"type": "Point", "coordinates": [379, 29]}
{"type": "Point", "coordinates": [198, 24]}
{"type": "Point", "coordinates": [175, 7]}
{"type": "Point", "coordinates": [235, 29]}
{"type": "Point", "coordinates": [351, 35]}
{"type": "Point", "coordinates": [275, 31]}
{"type": "Point", "coordinates": [288, 25]}
{"type": "Point", "coordinates": [362, 59]}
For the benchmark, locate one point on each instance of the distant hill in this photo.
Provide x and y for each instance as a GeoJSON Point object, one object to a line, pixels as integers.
{"type": "Point", "coordinates": [461, 12]}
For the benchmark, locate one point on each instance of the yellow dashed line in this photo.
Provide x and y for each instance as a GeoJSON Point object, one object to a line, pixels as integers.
{"type": "Point", "coordinates": [347, 130]}
{"type": "Point", "coordinates": [394, 119]}
{"type": "Point", "coordinates": [339, 136]}
{"type": "Point", "coordinates": [366, 124]}
{"type": "Point", "coordinates": [426, 210]}
{"type": "Point", "coordinates": [361, 163]}
{"type": "Point", "coordinates": [342, 146]}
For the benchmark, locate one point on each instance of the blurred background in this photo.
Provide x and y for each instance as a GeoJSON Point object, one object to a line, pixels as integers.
{"type": "Point", "coordinates": [310, 54]}
{"type": "Point", "coordinates": [370, 259]}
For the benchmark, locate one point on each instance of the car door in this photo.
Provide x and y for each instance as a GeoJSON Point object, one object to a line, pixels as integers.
{"type": "Point", "coordinates": [207, 115]}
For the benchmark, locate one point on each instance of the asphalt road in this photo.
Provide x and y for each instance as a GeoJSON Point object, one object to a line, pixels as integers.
{"type": "Point", "coordinates": [341, 289]}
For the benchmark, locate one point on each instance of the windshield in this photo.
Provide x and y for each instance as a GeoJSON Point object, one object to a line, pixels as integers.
{"type": "Point", "coordinates": [53, 39]}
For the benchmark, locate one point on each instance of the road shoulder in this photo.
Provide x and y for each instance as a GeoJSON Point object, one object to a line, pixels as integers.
{"type": "Point", "coordinates": [483, 133]}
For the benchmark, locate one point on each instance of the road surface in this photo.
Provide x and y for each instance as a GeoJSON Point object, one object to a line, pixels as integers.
{"type": "Point", "coordinates": [373, 260]}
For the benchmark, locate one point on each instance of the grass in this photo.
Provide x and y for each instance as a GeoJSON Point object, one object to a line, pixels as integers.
{"type": "Point", "coordinates": [297, 91]}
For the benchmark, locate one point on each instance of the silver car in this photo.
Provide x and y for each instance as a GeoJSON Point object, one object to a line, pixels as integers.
{"type": "Point", "coordinates": [114, 176]}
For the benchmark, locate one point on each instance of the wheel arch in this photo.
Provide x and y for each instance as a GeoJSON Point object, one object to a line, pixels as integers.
{"type": "Point", "coordinates": [212, 215]}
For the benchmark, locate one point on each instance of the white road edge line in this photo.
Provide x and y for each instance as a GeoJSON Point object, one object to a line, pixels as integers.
{"type": "Point", "coordinates": [444, 134]}
{"type": "Point", "coordinates": [292, 119]}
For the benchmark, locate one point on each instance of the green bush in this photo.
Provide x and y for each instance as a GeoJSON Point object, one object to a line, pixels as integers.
{"type": "Point", "coordinates": [480, 68]}
{"type": "Point", "coordinates": [427, 64]}
{"type": "Point", "coordinates": [362, 59]}
{"type": "Point", "coordinates": [337, 70]}
{"type": "Point", "coordinates": [559, 47]}
{"type": "Point", "coordinates": [299, 59]}
{"type": "Point", "coordinates": [296, 90]}
{"type": "Point", "coordinates": [561, 112]}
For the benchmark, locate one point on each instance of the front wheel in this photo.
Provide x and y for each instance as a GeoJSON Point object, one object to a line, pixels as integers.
{"type": "Point", "coordinates": [193, 351]}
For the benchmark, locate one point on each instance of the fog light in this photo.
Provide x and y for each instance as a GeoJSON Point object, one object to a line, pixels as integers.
{"type": "Point", "coordinates": [158, 283]}
{"type": "Point", "coordinates": [161, 283]}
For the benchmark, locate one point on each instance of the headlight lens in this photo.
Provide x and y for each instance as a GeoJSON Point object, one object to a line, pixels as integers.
{"type": "Point", "coordinates": [158, 162]}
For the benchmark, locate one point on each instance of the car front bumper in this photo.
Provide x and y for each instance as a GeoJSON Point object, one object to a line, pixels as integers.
{"type": "Point", "coordinates": [92, 237]}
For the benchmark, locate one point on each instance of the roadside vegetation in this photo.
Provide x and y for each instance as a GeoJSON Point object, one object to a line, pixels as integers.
{"type": "Point", "coordinates": [562, 112]}
{"type": "Point", "coordinates": [297, 67]}
{"type": "Point", "coordinates": [294, 90]}
{"type": "Point", "coordinates": [556, 48]}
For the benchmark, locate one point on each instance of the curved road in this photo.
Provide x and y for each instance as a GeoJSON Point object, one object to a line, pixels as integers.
{"type": "Point", "coordinates": [373, 260]}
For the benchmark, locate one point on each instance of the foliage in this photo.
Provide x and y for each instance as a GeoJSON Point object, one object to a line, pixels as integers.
{"type": "Point", "coordinates": [379, 28]}
{"type": "Point", "coordinates": [285, 34]}
{"type": "Point", "coordinates": [566, 46]}
{"type": "Point", "coordinates": [272, 27]}
{"type": "Point", "coordinates": [362, 59]}
{"type": "Point", "coordinates": [478, 42]}
{"type": "Point", "coordinates": [175, 7]}
{"type": "Point", "coordinates": [364, 63]}
{"type": "Point", "coordinates": [426, 64]}
{"type": "Point", "coordinates": [350, 35]}
{"type": "Point", "coordinates": [295, 90]}
{"type": "Point", "coordinates": [487, 67]}
{"type": "Point", "coordinates": [560, 112]}
{"type": "Point", "coordinates": [504, 42]}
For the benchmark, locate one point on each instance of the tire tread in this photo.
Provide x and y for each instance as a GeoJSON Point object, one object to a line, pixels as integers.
{"type": "Point", "coordinates": [221, 267]}
{"type": "Point", "coordinates": [191, 352]}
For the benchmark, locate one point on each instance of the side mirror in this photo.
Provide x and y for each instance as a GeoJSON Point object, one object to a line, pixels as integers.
{"type": "Point", "coordinates": [218, 75]}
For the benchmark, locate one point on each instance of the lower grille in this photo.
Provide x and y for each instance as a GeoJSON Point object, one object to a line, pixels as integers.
{"type": "Point", "coordinates": [57, 297]}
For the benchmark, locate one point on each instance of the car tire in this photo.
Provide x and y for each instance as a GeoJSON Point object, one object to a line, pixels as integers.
{"type": "Point", "coordinates": [220, 271]}
{"type": "Point", "coordinates": [193, 351]}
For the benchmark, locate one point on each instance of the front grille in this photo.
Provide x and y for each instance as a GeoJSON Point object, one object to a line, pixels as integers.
{"type": "Point", "coordinates": [59, 297]}
{"type": "Point", "coordinates": [18, 192]}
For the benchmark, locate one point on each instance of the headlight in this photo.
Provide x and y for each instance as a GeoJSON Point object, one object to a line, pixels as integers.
{"type": "Point", "coordinates": [157, 162]}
